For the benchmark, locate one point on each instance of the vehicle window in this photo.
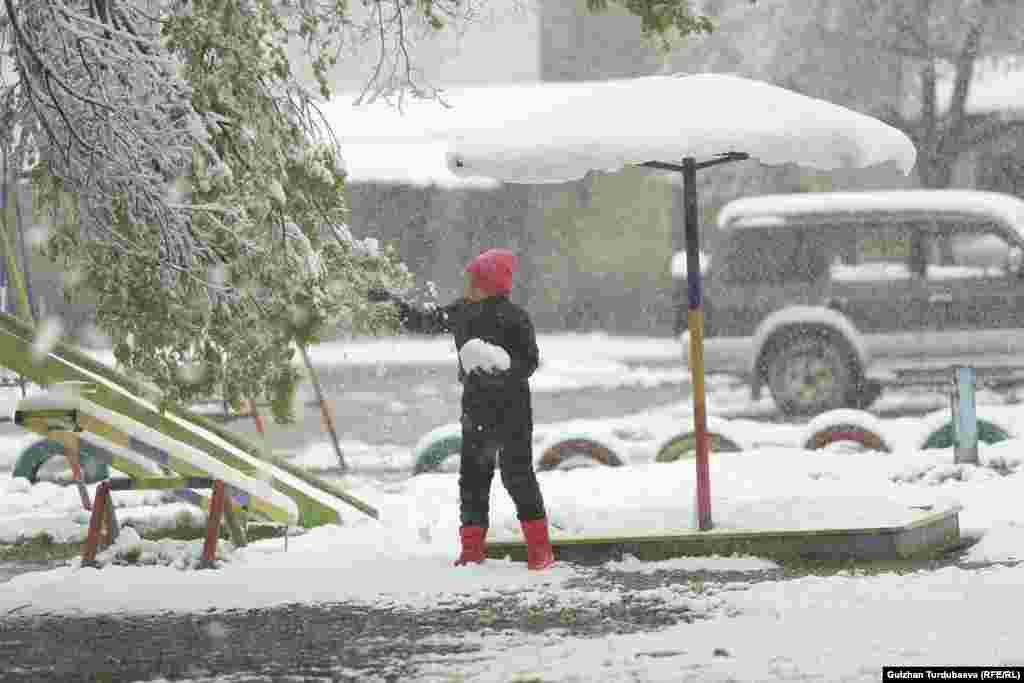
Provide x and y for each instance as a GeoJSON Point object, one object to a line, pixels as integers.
{"type": "Point", "coordinates": [769, 256]}
{"type": "Point", "coordinates": [966, 255]}
{"type": "Point", "coordinates": [870, 254]}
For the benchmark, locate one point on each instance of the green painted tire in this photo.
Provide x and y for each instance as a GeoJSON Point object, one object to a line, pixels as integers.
{"type": "Point", "coordinates": [35, 456]}
{"type": "Point", "coordinates": [684, 446]}
{"type": "Point", "coordinates": [565, 448]}
{"type": "Point", "coordinates": [436, 453]}
{"type": "Point", "coordinates": [988, 433]}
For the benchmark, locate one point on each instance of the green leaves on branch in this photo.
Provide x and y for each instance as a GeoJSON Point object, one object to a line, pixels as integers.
{"type": "Point", "coordinates": [665, 20]}
{"type": "Point", "coordinates": [258, 259]}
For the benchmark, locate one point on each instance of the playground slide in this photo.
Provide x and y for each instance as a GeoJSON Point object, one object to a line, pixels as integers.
{"type": "Point", "coordinates": [131, 442]}
{"type": "Point", "coordinates": [319, 502]}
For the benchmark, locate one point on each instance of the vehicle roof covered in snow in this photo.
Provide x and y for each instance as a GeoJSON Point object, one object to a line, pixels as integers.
{"type": "Point", "coordinates": [771, 210]}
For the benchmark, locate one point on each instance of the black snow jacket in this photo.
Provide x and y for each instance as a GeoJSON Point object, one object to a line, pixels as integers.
{"type": "Point", "coordinates": [491, 401]}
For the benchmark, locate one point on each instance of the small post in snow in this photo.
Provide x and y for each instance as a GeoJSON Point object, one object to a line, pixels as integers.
{"type": "Point", "coordinates": [325, 409]}
{"type": "Point", "coordinates": [965, 416]}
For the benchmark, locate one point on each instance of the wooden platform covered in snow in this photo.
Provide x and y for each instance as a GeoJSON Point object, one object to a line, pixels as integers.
{"type": "Point", "coordinates": [929, 534]}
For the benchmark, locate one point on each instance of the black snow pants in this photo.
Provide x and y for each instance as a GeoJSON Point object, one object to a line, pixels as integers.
{"type": "Point", "coordinates": [512, 450]}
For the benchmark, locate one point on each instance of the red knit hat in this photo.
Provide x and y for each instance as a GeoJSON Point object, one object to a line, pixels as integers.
{"type": "Point", "coordinates": [492, 270]}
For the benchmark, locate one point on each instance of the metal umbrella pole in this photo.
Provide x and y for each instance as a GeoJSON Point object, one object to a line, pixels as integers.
{"type": "Point", "coordinates": [695, 321]}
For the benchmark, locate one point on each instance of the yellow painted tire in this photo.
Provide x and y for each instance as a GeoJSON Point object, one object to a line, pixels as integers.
{"type": "Point", "coordinates": [684, 446]}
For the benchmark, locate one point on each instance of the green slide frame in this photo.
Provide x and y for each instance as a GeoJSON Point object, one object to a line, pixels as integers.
{"type": "Point", "coordinates": [65, 363]}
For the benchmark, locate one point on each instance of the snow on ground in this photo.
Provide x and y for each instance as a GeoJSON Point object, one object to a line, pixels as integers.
{"type": "Point", "coordinates": [565, 375]}
{"type": "Point", "coordinates": [766, 630]}
{"type": "Point", "coordinates": [769, 487]}
{"type": "Point", "coordinates": [13, 444]}
{"type": "Point", "coordinates": [362, 457]}
{"type": "Point", "coordinates": [416, 350]}
{"type": "Point", "coordinates": [562, 366]}
{"type": "Point", "coordinates": [609, 362]}
{"type": "Point", "coordinates": [713, 563]}
{"type": "Point", "coordinates": [28, 510]}
{"type": "Point", "coordinates": [838, 628]}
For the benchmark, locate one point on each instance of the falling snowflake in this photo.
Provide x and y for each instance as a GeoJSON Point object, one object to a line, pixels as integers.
{"type": "Point", "coordinates": [37, 236]}
{"type": "Point", "coordinates": [192, 372]}
{"type": "Point", "coordinates": [47, 336]}
{"type": "Point", "coordinates": [217, 275]}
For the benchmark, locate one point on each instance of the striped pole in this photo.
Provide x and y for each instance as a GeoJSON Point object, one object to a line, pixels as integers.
{"type": "Point", "coordinates": [695, 324]}
{"type": "Point", "coordinates": [325, 409]}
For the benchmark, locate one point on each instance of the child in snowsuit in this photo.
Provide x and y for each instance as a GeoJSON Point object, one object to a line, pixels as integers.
{"type": "Point", "coordinates": [497, 417]}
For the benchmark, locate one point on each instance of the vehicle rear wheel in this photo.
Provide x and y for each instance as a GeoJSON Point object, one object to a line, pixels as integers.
{"type": "Point", "coordinates": [809, 375]}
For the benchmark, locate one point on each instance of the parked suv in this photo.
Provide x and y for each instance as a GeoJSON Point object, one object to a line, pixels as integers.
{"type": "Point", "coordinates": [826, 297]}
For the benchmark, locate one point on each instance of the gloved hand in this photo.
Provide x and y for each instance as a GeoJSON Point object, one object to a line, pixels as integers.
{"type": "Point", "coordinates": [378, 295]}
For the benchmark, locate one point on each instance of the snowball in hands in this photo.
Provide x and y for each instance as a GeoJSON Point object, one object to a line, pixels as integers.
{"type": "Point", "coordinates": [476, 354]}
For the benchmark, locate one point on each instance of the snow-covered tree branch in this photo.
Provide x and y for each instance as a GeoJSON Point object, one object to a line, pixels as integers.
{"type": "Point", "coordinates": [192, 188]}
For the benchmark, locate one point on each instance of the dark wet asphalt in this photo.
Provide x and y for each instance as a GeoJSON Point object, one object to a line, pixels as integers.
{"type": "Point", "coordinates": [332, 642]}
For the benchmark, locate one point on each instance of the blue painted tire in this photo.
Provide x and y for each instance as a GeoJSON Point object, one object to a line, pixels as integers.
{"type": "Point", "coordinates": [35, 456]}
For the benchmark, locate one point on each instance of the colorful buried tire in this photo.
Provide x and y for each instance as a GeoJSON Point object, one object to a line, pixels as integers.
{"type": "Point", "coordinates": [988, 433]}
{"type": "Point", "coordinates": [684, 446]}
{"type": "Point", "coordinates": [565, 449]}
{"type": "Point", "coordinates": [35, 456]}
{"type": "Point", "coordinates": [437, 448]}
{"type": "Point", "coordinates": [844, 425]}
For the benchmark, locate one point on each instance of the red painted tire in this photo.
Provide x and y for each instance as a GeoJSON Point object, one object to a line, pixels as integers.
{"type": "Point", "coordinates": [562, 450]}
{"type": "Point", "coordinates": [850, 433]}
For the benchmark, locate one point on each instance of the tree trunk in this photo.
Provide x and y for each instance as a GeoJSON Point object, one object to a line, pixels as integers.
{"type": "Point", "coordinates": [935, 170]}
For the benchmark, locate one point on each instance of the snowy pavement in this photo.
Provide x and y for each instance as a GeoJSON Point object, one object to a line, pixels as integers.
{"type": "Point", "coordinates": [768, 630]}
{"type": "Point", "coordinates": [340, 599]}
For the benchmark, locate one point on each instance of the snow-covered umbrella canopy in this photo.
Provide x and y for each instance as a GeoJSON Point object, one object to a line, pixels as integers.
{"type": "Point", "coordinates": [558, 132]}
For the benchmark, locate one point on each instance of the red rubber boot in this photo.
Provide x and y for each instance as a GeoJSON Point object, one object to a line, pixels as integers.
{"type": "Point", "coordinates": [474, 545]}
{"type": "Point", "coordinates": [539, 554]}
